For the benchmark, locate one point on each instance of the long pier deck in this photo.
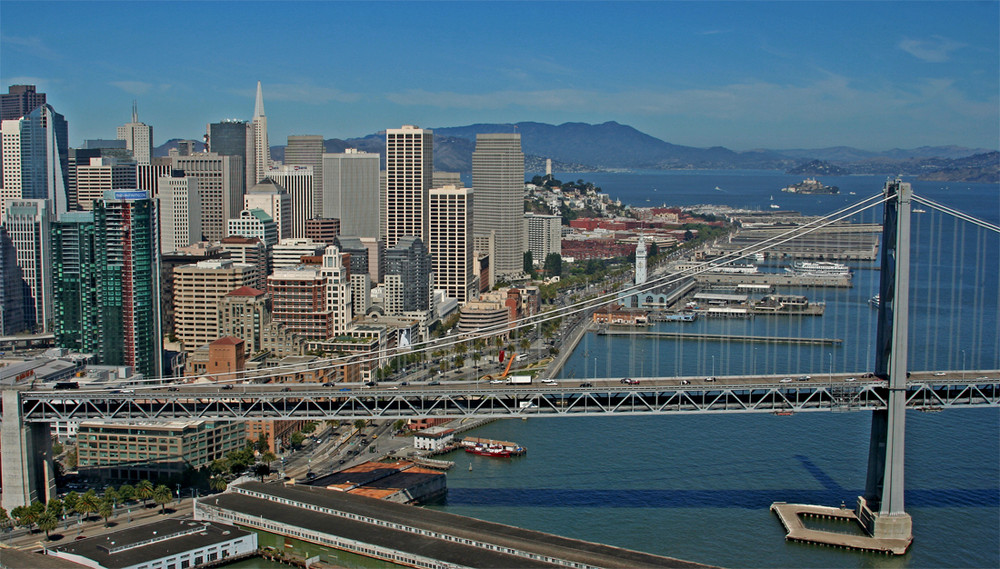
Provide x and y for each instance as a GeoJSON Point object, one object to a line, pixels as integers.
{"type": "Point", "coordinates": [725, 337]}
{"type": "Point", "coordinates": [791, 517]}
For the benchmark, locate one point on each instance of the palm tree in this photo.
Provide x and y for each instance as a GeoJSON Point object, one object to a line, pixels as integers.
{"type": "Point", "coordinates": [104, 509]}
{"type": "Point", "coordinates": [144, 490]}
{"type": "Point", "coordinates": [4, 517]}
{"type": "Point", "coordinates": [162, 496]}
{"type": "Point", "coordinates": [88, 503]}
{"type": "Point", "coordinates": [113, 495]}
{"type": "Point", "coordinates": [70, 501]}
{"type": "Point", "coordinates": [55, 505]}
{"type": "Point", "coordinates": [47, 522]}
{"type": "Point", "coordinates": [218, 483]}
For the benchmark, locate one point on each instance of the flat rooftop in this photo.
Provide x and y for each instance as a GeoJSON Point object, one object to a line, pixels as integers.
{"type": "Point", "coordinates": [431, 520]}
{"type": "Point", "coordinates": [125, 548]}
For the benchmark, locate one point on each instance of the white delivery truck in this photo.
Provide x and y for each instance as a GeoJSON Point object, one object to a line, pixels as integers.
{"type": "Point", "coordinates": [519, 379]}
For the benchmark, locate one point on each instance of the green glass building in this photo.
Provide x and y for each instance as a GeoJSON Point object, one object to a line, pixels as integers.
{"type": "Point", "coordinates": [74, 283]}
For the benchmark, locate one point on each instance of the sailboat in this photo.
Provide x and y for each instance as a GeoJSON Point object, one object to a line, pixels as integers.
{"type": "Point", "coordinates": [774, 205]}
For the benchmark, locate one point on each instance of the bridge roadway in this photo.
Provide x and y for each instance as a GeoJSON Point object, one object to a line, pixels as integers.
{"type": "Point", "coordinates": [734, 394]}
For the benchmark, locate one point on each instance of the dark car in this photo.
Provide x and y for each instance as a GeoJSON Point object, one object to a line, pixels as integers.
{"type": "Point", "coordinates": [586, 384]}
{"type": "Point", "coordinates": [629, 381]}
{"type": "Point", "coordinates": [434, 382]}
{"type": "Point", "coordinates": [227, 386]}
{"type": "Point", "coordinates": [285, 389]}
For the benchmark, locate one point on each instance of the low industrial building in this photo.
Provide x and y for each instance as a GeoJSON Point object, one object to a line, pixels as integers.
{"type": "Point", "coordinates": [403, 482]}
{"type": "Point", "coordinates": [309, 522]}
{"type": "Point", "coordinates": [167, 544]}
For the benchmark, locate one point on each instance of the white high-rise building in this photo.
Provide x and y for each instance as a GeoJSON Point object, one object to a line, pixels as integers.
{"type": "Point", "coordinates": [180, 212]}
{"type": "Point", "coordinates": [298, 182]}
{"type": "Point", "coordinates": [351, 191]}
{"type": "Point", "coordinates": [450, 243]}
{"type": "Point", "coordinates": [28, 224]}
{"type": "Point", "coordinates": [409, 170]}
{"type": "Point", "coordinates": [261, 150]}
{"type": "Point", "coordinates": [307, 150]}
{"type": "Point", "coordinates": [338, 289]}
{"type": "Point", "coordinates": [271, 197]}
{"type": "Point", "coordinates": [36, 158]}
{"type": "Point", "coordinates": [99, 176]}
{"type": "Point", "coordinates": [138, 138]}
{"type": "Point", "coordinates": [498, 179]}
{"type": "Point", "coordinates": [544, 234]}
{"type": "Point", "coordinates": [220, 182]}
{"type": "Point", "coordinates": [288, 253]}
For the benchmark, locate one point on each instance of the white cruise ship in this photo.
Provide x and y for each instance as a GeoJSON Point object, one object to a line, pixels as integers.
{"type": "Point", "coordinates": [819, 269]}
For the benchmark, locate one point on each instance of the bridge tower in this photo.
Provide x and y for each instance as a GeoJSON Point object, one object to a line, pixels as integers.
{"type": "Point", "coordinates": [880, 510]}
{"type": "Point", "coordinates": [25, 457]}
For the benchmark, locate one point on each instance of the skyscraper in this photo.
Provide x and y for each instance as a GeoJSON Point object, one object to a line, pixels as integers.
{"type": "Point", "coordinates": [28, 224]}
{"type": "Point", "coordinates": [351, 191]}
{"type": "Point", "coordinates": [338, 289]}
{"type": "Point", "coordinates": [234, 138]}
{"type": "Point", "coordinates": [101, 175]}
{"type": "Point", "coordinates": [409, 169]}
{"type": "Point", "coordinates": [297, 182]}
{"type": "Point", "coordinates": [220, 183]}
{"type": "Point", "coordinates": [307, 150]}
{"type": "Point", "coordinates": [16, 310]}
{"type": "Point", "coordinates": [198, 289]}
{"type": "Point", "coordinates": [35, 158]}
{"type": "Point", "coordinates": [261, 150]}
{"type": "Point", "coordinates": [128, 278]}
{"type": "Point", "coordinates": [450, 243]}
{"type": "Point", "coordinates": [74, 283]}
{"type": "Point", "coordinates": [544, 234]}
{"type": "Point", "coordinates": [180, 211]}
{"type": "Point", "coordinates": [498, 179]}
{"type": "Point", "coordinates": [17, 102]}
{"type": "Point", "coordinates": [275, 201]}
{"type": "Point", "coordinates": [138, 138]}
{"type": "Point", "coordinates": [407, 277]}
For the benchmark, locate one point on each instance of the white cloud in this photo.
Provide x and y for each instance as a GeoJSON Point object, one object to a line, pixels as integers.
{"type": "Point", "coordinates": [31, 45]}
{"type": "Point", "coordinates": [937, 49]}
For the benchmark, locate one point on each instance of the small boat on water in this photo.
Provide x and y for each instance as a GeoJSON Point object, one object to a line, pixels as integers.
{"type": "Point", "coordinates": [491, 448]}
{"type": "Point", "coordinates": [819, 268]}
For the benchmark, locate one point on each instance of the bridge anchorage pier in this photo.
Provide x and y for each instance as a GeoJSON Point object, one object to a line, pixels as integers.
{"type": "Point", "coordinates": [880, 511]}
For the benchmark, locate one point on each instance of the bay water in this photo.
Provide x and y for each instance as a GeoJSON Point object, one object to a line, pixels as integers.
{"type": "Point", "coordinates": [698, 487]}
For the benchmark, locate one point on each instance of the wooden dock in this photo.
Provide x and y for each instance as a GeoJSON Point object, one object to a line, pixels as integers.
{"type": "Point", "coordinates": [724, 337]}
{"type": "Point", "coordinates": [791, 517]}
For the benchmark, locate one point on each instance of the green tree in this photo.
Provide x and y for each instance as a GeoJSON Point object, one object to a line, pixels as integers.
{"type": "Point", "coordinates": [217, 483]}
{"type": "Point", "coordinates": [24, 516]}
{"type": "Point", "coordinates": [297, 439]}
{"type": "Point", "coordinates": [261, 444]}
{"type": "Point", "coordinates": [57, 448]}
{"type": "Point", "coordinates": [162, 496]}
{"type": "Point", "coordinates": [105, 508]}
{"type": "Point", "coordinates": [261, 470]}
{"type": "Point", "coordinates": [309, 427]}
{"type": "Point", "coordinates": [529, 264]}
{"type": "Point", "coordinates": [268, 457]}
{"type": "Point", "coordinates": [47, 522]}
{"type": "Point", "coordinates": [88, 503]}
{"type": "Point", "coordinates": [399, 424]}
{"type": "Point", "coordinates": [553, 265]}
{"type": "Point", "coordinates": [113, 495]}
{"type": "Point", "coordinates": [144, 490]}
{"type": "Point", "coordinates": [360, 424]}
{"type": "Point", "coordinates": [56, 506]}
{"type": "Point", "coordinates": [70, 461]}
{"type": "Point", "coordinates": [126, 492]}
{"type": "Point", "coordinates": [4, 517]}
{"type": "Point", "coordinates": [70, 501]}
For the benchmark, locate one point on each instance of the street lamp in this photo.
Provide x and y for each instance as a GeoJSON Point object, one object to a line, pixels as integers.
{"type": "Point", "coordinates": [713, 366]}
{"type": "Point", "coordinates": [963, 365]}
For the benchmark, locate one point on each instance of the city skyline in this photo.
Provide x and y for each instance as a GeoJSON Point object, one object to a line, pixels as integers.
{"type": "Point", "coordinates": [741, 75]}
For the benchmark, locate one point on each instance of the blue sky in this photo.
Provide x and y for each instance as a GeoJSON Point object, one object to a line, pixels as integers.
{"type": "Point", "coordinates": [738, 74]}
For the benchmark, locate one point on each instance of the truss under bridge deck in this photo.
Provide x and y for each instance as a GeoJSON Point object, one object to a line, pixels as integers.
{"type": "Point", "coordinates": [564, 399]}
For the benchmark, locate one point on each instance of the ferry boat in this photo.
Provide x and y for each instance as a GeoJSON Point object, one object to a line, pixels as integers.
{"type": "Point", "coordinates": [491, 448]}
{"type": "Point", "coordinates": [736, 269]}
{"type": "Point", "coordinates": [819, 269]}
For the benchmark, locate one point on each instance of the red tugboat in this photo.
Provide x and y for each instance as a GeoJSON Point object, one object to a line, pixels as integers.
{"type": "Point", "coordinates": [488, 447]}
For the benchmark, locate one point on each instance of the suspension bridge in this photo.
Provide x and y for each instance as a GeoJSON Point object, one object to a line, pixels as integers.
{"type": "Point", "coordinates": [948, 331]}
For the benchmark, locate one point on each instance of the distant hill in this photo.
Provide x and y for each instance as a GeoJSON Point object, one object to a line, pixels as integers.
{"type": "Point", "coordinates": [579, 147]}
